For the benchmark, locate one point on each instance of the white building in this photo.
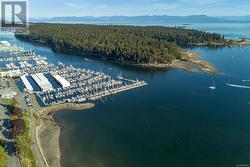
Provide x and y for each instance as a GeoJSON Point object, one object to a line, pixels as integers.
{"type": "Point", "coordinates": [42, 82]}
{"type": "Point", "coordinates": [9, 95]}
{"type": "Point", "coordinates": [26, 83]}
{"type": "Point", "coordinates": [62, 81]}
{"type": "Point", "coordinates": [11, 73]}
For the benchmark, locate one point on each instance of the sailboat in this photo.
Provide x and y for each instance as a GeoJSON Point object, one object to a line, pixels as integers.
{"type": "Point", "coordinates": [213, 87]}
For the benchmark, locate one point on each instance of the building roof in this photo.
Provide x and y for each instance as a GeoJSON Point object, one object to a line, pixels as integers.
{"type": "Point", "coordinates": [62, 81]}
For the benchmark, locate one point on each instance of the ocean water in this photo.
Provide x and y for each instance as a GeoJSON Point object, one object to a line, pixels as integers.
{"type": "Point", "coordinates": [175, 121]}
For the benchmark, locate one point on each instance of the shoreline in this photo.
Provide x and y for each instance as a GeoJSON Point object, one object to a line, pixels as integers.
{"type": "Point", "coordinates": [188, 62]}
{"type": "Point", "coordinates": [45, 132]}
{"type": "Point", "coordinates": [191, 63]}
{"type": "Point", "coordinates": [65, 106]}
{"type": "Point", "coordinates": [184, 63]}
{"type": "Point", "coordinates": [48, 138]}
{"type": "Point", "coordinates": [49, 131]}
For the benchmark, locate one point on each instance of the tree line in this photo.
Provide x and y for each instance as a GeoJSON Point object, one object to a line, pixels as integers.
{"type": "Point", "coordinates": [134, 44]}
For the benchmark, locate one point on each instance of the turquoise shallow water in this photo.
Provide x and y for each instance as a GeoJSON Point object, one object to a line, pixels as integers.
{"type": "Point", "coordinates": [175, 121]}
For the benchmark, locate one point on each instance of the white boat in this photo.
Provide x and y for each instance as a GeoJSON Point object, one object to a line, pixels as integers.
{"type": "Point", "coordinates": [213, 87]}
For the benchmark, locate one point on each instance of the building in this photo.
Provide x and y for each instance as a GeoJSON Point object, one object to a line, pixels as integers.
{"type": "Point", "coordinates": [42, 82]}
{"type": "Point", "coordinates": [5, 43]}
{"type": "Point", "coordinates": [9, 95]}
{"type": "Point", "coordinates": [62, 81]}
{"type": "Point", "coordinates": [26, 83]}
{"type": "Point", "coordinates": [11, 73]}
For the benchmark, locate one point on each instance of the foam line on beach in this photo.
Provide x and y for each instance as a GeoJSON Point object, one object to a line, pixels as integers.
{"type": "Point", "coordinates": [238, 86]}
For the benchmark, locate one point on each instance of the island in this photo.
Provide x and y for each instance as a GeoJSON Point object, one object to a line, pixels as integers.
{"type": "Point", "coordinates": [147, 46]}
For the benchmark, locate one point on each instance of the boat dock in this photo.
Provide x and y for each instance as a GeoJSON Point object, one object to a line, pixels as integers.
{"type": "Point", "coordinates": [59, 83]}
{"type": "Point", "coordinates": [85, 85]}
{"type": "Point", "coordinates": [121, 89]}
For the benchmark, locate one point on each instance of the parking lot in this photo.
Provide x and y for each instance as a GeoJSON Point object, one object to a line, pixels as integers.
{"type": "Point", "coordinates": [5, 89]}
{"type": "Point", "coordinates": [4, 123]}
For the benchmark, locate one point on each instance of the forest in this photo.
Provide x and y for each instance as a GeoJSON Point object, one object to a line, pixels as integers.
{"type": "Point", "coordinates": [125, 44]}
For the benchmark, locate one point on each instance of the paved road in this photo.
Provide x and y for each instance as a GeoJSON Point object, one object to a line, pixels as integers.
{"type": "Point", "coordinates": [20, 99]}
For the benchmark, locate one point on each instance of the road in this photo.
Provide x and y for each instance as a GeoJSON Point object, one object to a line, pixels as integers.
{"type": "Point", "coordinates": [41, 161]}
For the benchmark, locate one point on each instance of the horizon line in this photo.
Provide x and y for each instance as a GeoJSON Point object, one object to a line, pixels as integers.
{"type": "Point", "coordinates": [144, 16]}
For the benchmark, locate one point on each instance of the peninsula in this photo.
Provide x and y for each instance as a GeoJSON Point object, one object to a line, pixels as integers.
{"type": "Point", "coordinates": [148, 46]}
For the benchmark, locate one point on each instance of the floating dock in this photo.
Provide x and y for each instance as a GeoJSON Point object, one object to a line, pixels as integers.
{"type": "Point", "coordinates": [81, 85]}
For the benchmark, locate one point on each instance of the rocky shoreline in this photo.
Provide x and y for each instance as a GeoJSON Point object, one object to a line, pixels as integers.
{"type": "Point", "coordinates": [191, 63]}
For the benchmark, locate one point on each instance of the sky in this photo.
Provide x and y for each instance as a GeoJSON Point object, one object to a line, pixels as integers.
{"type": "Point", "coordinates": [52, 8]}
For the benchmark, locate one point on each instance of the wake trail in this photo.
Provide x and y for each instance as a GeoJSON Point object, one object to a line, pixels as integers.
{"type": "Point", "coordinates": [238, 86]}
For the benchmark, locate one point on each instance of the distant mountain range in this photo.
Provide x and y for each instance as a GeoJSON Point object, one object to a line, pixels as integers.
{"type": "Point", "coordinates": [146, 20]}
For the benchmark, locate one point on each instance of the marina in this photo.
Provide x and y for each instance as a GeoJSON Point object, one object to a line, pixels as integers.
{"type": "Point", "coordinates": [80, 85]}
{"type": "Point", "coordinates": [6, 46]}
{"type": "Point", "coordinates": [93, 86]}
{"type": "Point", "coordinates": [60, 83]}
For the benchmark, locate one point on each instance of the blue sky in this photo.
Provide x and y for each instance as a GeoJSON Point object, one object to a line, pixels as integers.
{"type": "Point", "coordinates": [50, 8]}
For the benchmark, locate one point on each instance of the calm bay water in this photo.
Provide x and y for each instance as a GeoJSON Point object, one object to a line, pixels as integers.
{"type": "Point", "coordinates": [174, 121]}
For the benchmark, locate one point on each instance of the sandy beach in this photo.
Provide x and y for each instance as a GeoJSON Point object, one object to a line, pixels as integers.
{"type": "Point", "coordinates": [49, 131]}
{"type": "Point", "coordinates": [49, 134]}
